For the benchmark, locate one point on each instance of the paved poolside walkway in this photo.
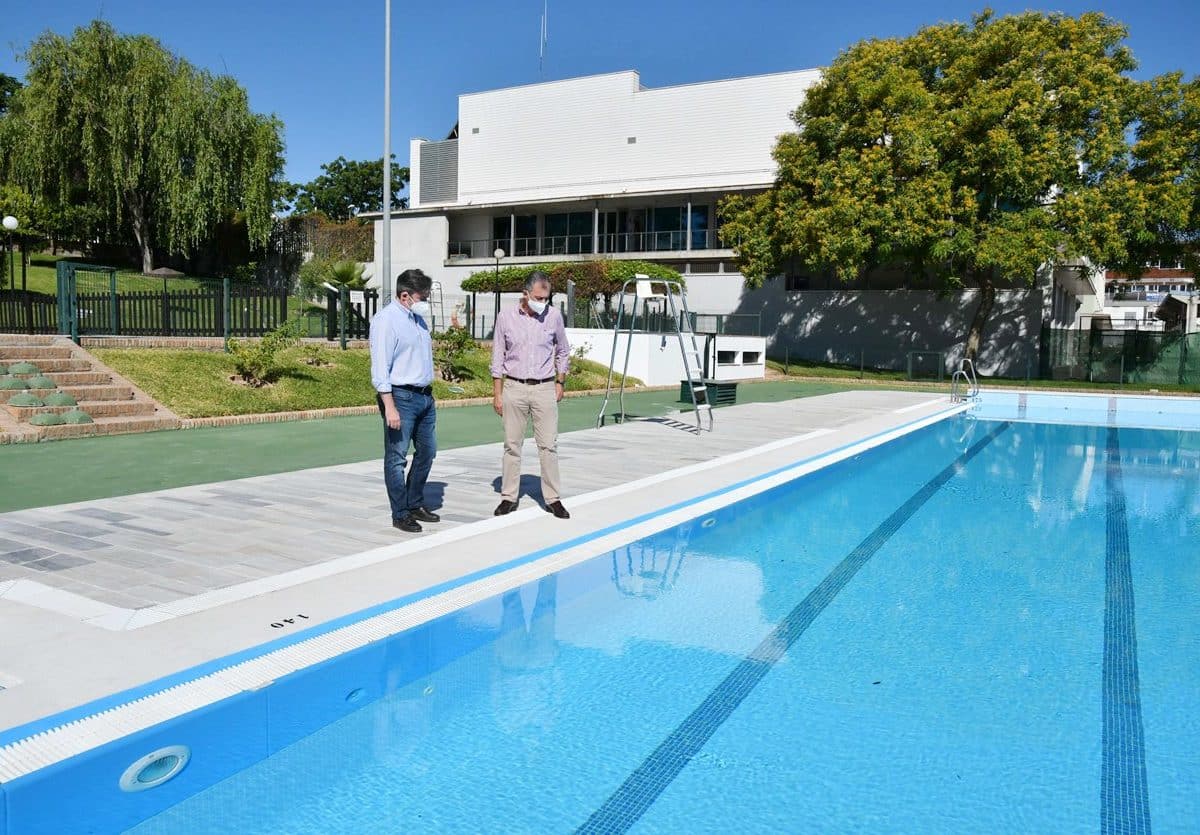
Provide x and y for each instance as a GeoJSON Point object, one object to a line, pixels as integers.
{"type": "Point", "coordinates": [102, 595]}
{"type": "Point", "coordinates": [155, 548]}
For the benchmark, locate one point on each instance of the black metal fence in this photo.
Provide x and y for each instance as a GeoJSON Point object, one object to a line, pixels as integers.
{"type": "Point", "coordinates": [253, 311]}
{"type": "Point", "coordinates": [359, 307]}
{"type": "Point", "coordinates": [23, 311]}
{"type": "Point", "coordinates": [192, 311]}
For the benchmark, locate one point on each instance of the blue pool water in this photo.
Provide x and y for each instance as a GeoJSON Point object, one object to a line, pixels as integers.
{"type": "Point", "coordinates": [984, 626]}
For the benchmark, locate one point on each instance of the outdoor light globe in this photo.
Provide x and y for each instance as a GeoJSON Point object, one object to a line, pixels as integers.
{"type": "Point", "coordinates": [499, 253]}
{"type": "Point", "coordinates": [10, 223]}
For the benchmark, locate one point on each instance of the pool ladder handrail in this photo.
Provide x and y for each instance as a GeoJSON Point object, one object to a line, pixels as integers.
{"type": "Point", "coordinates": [970, 382]}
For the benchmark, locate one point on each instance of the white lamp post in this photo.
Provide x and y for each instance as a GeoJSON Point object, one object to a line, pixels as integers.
{"type": "Point", "coordinates": [498, 254]}
{"type": "Point", "coordinates": [10, 225]}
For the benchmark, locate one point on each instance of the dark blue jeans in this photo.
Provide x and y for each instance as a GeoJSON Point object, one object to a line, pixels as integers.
{"type": "Point", "coordinates": [418, 426]}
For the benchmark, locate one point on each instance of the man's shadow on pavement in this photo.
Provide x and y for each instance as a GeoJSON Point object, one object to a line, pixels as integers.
{"type": "Point", "coordinates": [531, 486]}
{"type": "Point", "coordinates": [435, 494]}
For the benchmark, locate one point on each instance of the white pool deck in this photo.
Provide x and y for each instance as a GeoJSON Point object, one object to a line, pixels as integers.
{"type": "Point", "coordinates": [144, 586]}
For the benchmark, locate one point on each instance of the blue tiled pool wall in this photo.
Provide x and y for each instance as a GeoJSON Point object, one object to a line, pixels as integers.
{"type": "Point", "coordinates": [1090, 409]}
{"type": "Point", "coordinates": [82, 795]}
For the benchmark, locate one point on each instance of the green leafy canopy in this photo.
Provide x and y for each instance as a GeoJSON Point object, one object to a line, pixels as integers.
{"type": "Point", "coordinates": [347, 188]}
{"type": "Point", "coordinates": [157, 143]}
{"type": "Point", "coordinates": [964, 153]}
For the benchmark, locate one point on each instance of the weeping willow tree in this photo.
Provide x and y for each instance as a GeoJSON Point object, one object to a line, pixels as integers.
{"type": "Point", "coordinates": [161, 147]}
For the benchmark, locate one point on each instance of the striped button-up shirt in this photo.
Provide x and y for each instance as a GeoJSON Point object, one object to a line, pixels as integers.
{"type": "Point", "coordinates": [529, 347]}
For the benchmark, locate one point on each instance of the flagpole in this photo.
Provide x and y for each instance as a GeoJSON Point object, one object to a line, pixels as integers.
{"type": "Point", "coordinates": [386, 224]}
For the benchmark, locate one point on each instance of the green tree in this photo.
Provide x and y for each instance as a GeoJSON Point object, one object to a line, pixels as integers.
{"type": "Point", "coordinates": [1167, 170]}
{"type": "Point", "coordinates": [8, 88]}
{"type": "Point", "coordinates": [160, 145]}
{"type": "Point", "coordinates": [965, 154]}
{"type": "Point", "coordinates": [347, 188]}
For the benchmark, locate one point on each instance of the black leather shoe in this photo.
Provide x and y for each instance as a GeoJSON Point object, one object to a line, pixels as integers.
{"type": "Point", "coordinates": [423, 515]}
{"type": "Point", "coordinates": [558, 510]}
{"type": "Point", "coordinates": [408, 524]}
{"type": "Point", "coordinates": [505, 507]}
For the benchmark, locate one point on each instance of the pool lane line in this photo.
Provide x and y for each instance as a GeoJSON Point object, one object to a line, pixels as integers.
{"type": "Point", "coordinates": [644, 786]}
{"type": "Point", "coordinates": [1124, 796]}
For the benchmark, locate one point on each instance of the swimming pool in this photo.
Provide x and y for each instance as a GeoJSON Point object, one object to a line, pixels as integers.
{"type": "Point", "coordinates": [984, 625]}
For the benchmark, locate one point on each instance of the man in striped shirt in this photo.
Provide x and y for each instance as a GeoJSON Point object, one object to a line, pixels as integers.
{"type": "Point", "coordinates": [530, 356]}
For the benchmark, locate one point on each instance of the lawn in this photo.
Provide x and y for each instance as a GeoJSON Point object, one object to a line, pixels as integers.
{"type": "Point", "coordinates": [41, 277]}
{"type": "Point", "coordinates": [806, 369]}
{"type": "Point", "coordinates": [199, 384]}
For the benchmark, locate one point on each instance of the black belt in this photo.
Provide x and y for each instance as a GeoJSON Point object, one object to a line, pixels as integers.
{"type": "Point", "coordinates": [425, 390]}
{"type": "Point", "coordinates": [530, 381]}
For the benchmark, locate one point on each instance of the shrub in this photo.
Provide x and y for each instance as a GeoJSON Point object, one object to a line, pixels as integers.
{"type": "Point", "coordinates": [349, 273]}
{"type": "Point", "coordinates": [310, 276]}
{"type": "Point", "coordinates": [263, 362]}
{"type": "Point", "coordinates": [591, 277]}
{"type": "Point", "coordinates": [448, 353]}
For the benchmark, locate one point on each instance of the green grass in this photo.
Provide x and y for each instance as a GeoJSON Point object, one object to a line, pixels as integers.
{"type": "Point", "coordinates": [805, 369]}
{"type": "Point", "coordinates": [836, 371]}
{"type": "Point", "coordinates": [198, 384]}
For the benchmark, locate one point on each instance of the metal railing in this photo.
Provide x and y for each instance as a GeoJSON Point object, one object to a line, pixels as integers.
{"type": "Point", "coordinates": [964, 385]}
{"type": "Point", "coordinates": [607, 243]}
{"type": "Point", "coordinates": [652, 321]}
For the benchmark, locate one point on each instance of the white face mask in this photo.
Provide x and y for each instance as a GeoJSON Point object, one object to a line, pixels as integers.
{"type": "Point", "coordinates": [421, 309]}
{"type": "Point", "coordinates": [538, 307]}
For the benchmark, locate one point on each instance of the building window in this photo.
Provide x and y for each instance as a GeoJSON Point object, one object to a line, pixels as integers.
{"type": "Point", "coordinates": [526, 237]}
{"type": "Point", "coordinates": [702, 236]}
{"type": "Point", "coordinates": [569, 233]}
{"type": "Point", "coordinates": [500, 233]}
{"type": "Point", "coordinates": [669, 228]}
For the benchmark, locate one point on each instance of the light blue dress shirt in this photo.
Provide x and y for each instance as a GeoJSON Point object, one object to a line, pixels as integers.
{"type": "Point", "coordinates": [401, 349]}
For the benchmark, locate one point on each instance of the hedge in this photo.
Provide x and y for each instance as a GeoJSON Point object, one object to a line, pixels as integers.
{"type": "Point", "coordinates": [590, 277]}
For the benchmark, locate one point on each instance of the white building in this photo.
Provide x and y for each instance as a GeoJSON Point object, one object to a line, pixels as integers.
{"type": "Point", "coordinates": [602, 167]}
{"type": "Point", "coordinates": [594, 167]}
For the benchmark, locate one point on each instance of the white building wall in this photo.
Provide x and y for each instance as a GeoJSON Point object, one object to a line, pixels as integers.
{"type": "Point", "coordinates": [418, 242]}
{"type": "Point", "coordinates": [570, 138]}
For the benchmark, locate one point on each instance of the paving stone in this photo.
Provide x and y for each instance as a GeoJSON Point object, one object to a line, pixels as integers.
{"type": "Point", "coordinates": [27, 555]}
{"type": "Point", "coordinates": [159, 546]}
{"type": "Point", "coordinates": [59, 562]}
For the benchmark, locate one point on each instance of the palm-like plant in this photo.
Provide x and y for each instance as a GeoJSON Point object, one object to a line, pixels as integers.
{"type": "Point", "coordinates": [348, 273]}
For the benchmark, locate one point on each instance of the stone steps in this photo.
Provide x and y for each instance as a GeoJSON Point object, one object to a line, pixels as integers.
{"type": "Point", "coordinates": [25, 339]}
{"type": "Point", "coordinates": [109, 426]}
{"type": "Point", "coordinates": [46, 366]}
{"type": "Point", "coordinates": [85, 392]}
{"type": "Point", "coordinates": [79, 378]}
{"type": "Point", "coordinates": [95, 408]}
{"type": "Point", "coordinates": [32, 353]}
{"type": "Point", "coordinates": [114, 404]}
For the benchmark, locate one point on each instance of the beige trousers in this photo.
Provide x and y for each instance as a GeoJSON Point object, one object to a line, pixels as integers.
{"type": "Point", "coordinates": [522, 402]}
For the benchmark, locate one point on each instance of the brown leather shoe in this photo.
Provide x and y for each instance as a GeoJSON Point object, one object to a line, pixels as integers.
{"type": "Point", "coordinates": [407, 524]}
{"type": "Point", "coordinates": [558, 510]}
{"type": "Point", "coordinates": [505, 507]}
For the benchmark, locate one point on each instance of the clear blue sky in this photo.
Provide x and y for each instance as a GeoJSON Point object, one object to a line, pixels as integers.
{"type": "Point", "coordinates": [318, 65]}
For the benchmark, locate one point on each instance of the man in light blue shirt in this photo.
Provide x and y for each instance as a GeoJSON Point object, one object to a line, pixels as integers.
{"type": "Point", "coordinates": [402, 373]}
